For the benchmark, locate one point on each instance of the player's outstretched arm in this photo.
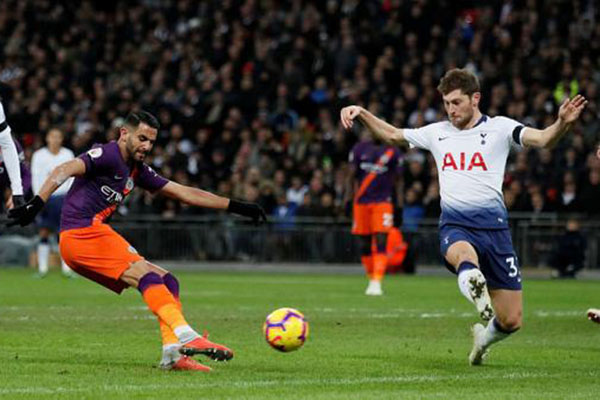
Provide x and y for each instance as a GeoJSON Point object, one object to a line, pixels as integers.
{"type": "Point", "coordinates": [381, 129]}
{"type": "Point", "coordinates": [26, 213]}
{"type": "Point", "coordinates": [202, 198]}
{"type": "Point", "coordinates": [569, 112]}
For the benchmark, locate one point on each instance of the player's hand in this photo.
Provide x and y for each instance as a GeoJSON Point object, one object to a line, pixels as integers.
{"type": "Point", "coordinates": [348, 114]}
{"type": "Point", "coordinates": [252, 210]}
{"type": "Point", "coordinates": [570, 109]}
{"type": "Point", "coordinates": [25, 214]}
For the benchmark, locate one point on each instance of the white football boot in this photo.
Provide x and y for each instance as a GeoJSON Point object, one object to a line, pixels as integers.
{"type": "Point", "coordinates": [478, 291]}
{"type": "Point", "coordinates": [479, 351]}
{"type": "Point", "coordinates": [374, 288]}
{"type": "Point", "coordinates": [593, 315]}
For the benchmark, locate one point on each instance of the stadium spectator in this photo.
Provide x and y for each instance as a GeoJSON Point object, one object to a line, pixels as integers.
{"type": "Point", "coordinates": [226, 84]}
{"type": "Point", "coordinates": [570, 251]}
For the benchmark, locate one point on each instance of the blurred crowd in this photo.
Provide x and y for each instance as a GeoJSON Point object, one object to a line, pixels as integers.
{"type": "Point", "coordinates": [248, 92]}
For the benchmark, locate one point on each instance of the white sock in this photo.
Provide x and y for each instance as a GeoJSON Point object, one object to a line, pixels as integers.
{"type": "Point", "coordinates": [65, 268]}
{"type": "Point", "coordinates": [43, 252]}
{"type": "Point", "coordinates": [463, 279]}
{"type": "Point", "coordinates": [185, 334]}
{"type": "Point", "coordinates": [492, 334]}
{"type": "Point", "coordinates": [170, 353]}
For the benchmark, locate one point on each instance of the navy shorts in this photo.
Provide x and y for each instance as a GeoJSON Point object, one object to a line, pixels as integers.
{"type": "Point", "coordinates": [49, 217]}
{"type": "Point", "coordinates": [497, 258]}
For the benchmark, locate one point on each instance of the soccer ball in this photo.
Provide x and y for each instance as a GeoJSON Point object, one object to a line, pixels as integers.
{"type": "Point", "coordinates": [286, 329]}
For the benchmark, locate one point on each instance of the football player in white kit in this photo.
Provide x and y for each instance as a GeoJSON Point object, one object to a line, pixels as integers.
{"type": "Point", "coordinates": [43, 162]}
{"type": "Point", "coordinates": [470, 150]}
{"type": "Point", "coordinates": [9, 160]}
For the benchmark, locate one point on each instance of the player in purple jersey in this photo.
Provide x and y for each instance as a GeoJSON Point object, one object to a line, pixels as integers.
{"type": "Point", "coordinates": [375, 170]}
{"type": "Point", "coordinates": [104, 176]}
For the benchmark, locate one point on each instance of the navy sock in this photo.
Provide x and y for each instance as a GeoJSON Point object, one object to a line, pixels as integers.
{"type": "Point", "coordinates": [465, 266]}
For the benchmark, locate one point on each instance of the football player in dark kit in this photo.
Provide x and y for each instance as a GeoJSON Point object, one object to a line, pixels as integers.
{"type": "Point", "coordinates": [104, 176]}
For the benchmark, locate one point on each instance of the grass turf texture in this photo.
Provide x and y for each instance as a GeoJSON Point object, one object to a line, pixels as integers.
{"type": "Point", "coordinates": [71, 339]}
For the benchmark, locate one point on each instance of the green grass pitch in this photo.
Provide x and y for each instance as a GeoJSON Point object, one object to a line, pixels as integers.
{"type": "Point", "coordinates": [71, 339]}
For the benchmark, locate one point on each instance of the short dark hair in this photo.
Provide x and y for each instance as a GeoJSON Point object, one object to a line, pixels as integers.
{"type": "Point", "coordinates": [461, 79]}
{"type": "Point", "coordinates": [135, 118]}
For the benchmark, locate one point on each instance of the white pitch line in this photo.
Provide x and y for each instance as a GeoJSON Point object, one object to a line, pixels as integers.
{"type": "Point", "coordinates": [571, 313]}
{"type": "Point", "coordinates": [267, 383]}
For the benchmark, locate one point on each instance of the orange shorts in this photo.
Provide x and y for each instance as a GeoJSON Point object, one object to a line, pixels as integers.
{"type": "Point", "coordinates": [370, 218]}
{"type": "Point", "coordinates": [98, 253]}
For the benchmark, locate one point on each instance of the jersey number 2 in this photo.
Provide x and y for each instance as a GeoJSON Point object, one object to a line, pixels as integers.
{"type": "Point", "coordinates": [388, 219]}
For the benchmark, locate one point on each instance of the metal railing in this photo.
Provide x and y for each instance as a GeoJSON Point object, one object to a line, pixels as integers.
{"type": "Point", "coordinates": [306, 240]}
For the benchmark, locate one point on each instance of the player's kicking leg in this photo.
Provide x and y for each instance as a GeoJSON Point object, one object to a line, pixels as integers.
{"type": "Point", "coordinates": [161, 301]}
{"type": "Point", "coordinates": [509, 308]}
{"type": "Point", "coordinates": [593, 315]}
{"type": "Point", "coordinates": [471, 282]}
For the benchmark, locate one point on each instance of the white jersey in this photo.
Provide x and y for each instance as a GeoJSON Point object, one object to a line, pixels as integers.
{"type": "Point", "coordinates": [470, 166]}
{"type": "Point", "coordinates": [9, 155]}
{"type": "Point", "coordinates": [42, 164]}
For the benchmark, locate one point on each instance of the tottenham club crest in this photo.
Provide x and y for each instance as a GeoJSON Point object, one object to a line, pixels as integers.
{"type": "Point", "coordinates": [483, 135]}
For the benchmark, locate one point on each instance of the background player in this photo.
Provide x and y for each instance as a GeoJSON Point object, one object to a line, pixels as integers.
{"type": "Point", "coordinates": [43, 162]}
{"type": "Point", "coordinates": [375, 171]}
{"type": "Point", "coordinates": [470, 152]}
{"type": "Point", "coordinates": [104, 176]}
{"type": "Point", "coordinates": [13, 171]}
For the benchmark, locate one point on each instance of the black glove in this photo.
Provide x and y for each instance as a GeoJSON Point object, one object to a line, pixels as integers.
{"type": "Point", "coordinates": [246, 209]}
{"type": "Point", "coordinates": [18, 200]}
{"type": "Point", "coordinates": [25, 214]}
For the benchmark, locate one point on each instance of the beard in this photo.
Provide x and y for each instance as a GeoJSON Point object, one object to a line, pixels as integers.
{"type": "Point", "coordinates": [134, 153]}
{"type": "Point", "coordinates": [461, 122]}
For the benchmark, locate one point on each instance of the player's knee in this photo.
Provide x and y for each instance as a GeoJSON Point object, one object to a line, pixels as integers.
{"type": "Point", "coordinates": [511, 322]}
{"type": "Point", "coordinates": [172, 284]}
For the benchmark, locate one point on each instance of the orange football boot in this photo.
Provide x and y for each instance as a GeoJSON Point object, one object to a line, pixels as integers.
{"type": "Point", "coordinates": [186, 363]}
